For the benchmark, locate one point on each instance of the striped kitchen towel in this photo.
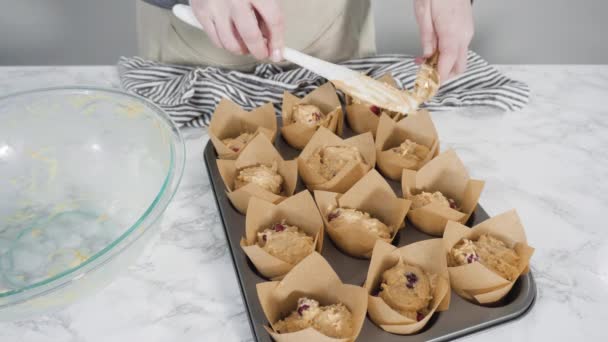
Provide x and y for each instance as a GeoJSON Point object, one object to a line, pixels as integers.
{"type": "Point", "coordinates": [190, 94]}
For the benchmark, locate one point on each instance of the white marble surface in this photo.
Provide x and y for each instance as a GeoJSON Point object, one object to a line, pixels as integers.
{"type": "Point", "coordinates": [550, 161]}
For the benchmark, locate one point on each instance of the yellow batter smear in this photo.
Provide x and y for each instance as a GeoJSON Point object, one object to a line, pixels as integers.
{"type": "Point", "coordinates": [52, 163]}
{"type": "Point", "coordinates": [20, 216]}
{"type": "Point", "coordinates": [133, 110]}
{"type": "Point", "coordinates": [102, 218]}
{"type": "Point", "coordinates": [79, 258]}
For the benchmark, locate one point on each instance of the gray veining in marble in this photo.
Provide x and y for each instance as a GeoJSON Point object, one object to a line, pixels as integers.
{"type": "Point", "coordinates": [549, 161]}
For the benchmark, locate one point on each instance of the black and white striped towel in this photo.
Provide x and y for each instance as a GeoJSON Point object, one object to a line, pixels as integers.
{"type": "Point", "coordinates": [190, 94]}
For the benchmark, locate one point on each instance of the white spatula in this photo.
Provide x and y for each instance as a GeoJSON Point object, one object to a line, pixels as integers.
{"type": "Point", "coordinates": [349, 81]}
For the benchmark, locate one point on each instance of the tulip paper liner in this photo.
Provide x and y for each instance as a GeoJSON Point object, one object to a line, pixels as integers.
{"type": "Point", "coordinates": [349, 174]}
{"type": "Point", "coordinates": [373, 195]}
{"type": "Point", "coordinates": [299, 210]}
{"type": "Point", "coordinates": [259, 151]}
{"type": "Point", "coordinates": [230, 120]}
{"type": "Point", "coordinates": [313, 277]}
{"type": "Point", "coordinates": [426, 254]}
{"type": "Point", "coordinates": [475, 282]}
{"type": "Point", "coordinates": [298, 134]}
{"type": "Point", "coordinates": [447, 174]}
{"type": "Point", "coordinates": [361, 118]}
{"type": "Point", "coordinates": [417, 127]}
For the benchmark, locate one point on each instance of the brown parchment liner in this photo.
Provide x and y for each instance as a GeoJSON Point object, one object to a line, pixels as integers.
{"type": "Point", "coordinates": [429, 255]}
{"type": "Point", "coordinates": [447, 174]}
{"type": "Point", "coordinates": [360, 118]}
{"type": "Point", "coordinates": [259, 151]}
{"type": "Point", "coordinates": [229, 120]}
{"type": "Point", "coordinates": [298, 210]}
{"type": "Point", "coordinates": [314, 278]}
{"type": "Point", "coordinates": [371, 194]}
{"type": "Point", "coordinates": [349, 174]}
{"type": "Point", "coordinates": [417, 127]}
{"type": "Point", "coordinates": [474, 281]}
{"type": "Point", "coordinates": [297, 135]}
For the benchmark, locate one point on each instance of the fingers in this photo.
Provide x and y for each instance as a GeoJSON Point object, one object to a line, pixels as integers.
{"type": "Point", "coordinates": [461, 62]}
{"type": "Point", "coordinates": [271, 20]}
{"type": "Point", "coordinates": [243, 26]}
{"type": "Point", "coordinates": [467, 37]}
{"type": "Point", "coordinates": [228, 36]}
{"type": "Point", "coordinates": [448, 54]}
{"type": "Point", "coordinates": [209, 28]}
{"type": "Point", "coordinates": [249, 31]}
{"type": "Point", "coordinates": [460, 65]}
{"type": "Point", "coordinates": [422, 9]}
{"type": "Point", "coordinates": [453, 23]}
{"type": "Point", "coordinates": [237, 36]}
{"type": "Point", "coordinates": [203, 14]}
{"type": "Point", "coordinates": [226, 32]}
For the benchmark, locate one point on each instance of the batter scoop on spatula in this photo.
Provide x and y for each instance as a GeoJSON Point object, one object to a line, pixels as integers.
{"type": "Point", "coordinates": [369, 90]}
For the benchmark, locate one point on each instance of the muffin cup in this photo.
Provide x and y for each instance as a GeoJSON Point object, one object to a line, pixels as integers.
{"type": "Point", "coordinates": [474, 281]}
{"type": "Point", "coordinates": [447, 174]}
{"type": "Point", "coordinates": [360, 117]}
{"type": "Point", "coordinates": [298, 134]}
{"type": "Point", "coordinates": [259, 151]}
{"type": "Point", "coordinates": [350, 173]}
{"type": "Point", "coordinates": [371, 194]}
{"type": "Point", "coordinates": [313, 277]}
{"type": "Point", "coordinates": [299, 210]}
{"type": "Point", "coordinates": [426, 254]}
{"type": "Point", "coordinates": [417, 127]}
{"type": "Point", "coordinates": [230, 120]}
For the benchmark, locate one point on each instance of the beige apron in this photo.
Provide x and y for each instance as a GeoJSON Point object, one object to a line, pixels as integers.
{"type": "Point", "coordinates": [334, 30]}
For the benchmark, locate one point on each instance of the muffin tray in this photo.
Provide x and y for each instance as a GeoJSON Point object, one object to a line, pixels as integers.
{"type": "Point", "coordinates": [460, 319]}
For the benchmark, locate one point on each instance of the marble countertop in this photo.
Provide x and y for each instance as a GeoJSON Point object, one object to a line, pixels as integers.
{"type": "Point", "coordinates": [550, 161]}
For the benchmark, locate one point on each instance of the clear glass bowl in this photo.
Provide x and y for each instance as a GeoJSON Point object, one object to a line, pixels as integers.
{"type": "Point", "coordinates": [85, 175]}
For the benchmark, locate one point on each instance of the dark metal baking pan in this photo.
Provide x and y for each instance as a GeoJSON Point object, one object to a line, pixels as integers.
{"type": "Point", "coordinates": [460, 319]}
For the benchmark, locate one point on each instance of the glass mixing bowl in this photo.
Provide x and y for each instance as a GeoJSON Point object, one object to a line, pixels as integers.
{"type": "Point", "coordinates": [85, 175]}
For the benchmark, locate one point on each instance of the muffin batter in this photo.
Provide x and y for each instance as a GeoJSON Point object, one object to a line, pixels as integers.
{"type": "Point", "coordinates": [407, 289]}
{"type": "Point", "coordinates": [374, 109]}
{"type": "Point", "coordinates": [340, 216]}
{"type": "Point", "coordinates": [424, 198]}
{"type": "Point", "coordinates": [266, 177]}
{"type": "Point", "coordinates": [329, 160]}
{"type": "Point", "coordinates": [238, 143]}
{"type": "Point", "coordinates": [411, 150]}
{"type": "Point", "coordinates": [285, 242]}
{"type": "Point", "coordinates": [332, 320]}
{"type": "Point", "coordinates": [490, 252]}
{"type": "Point", "coordinates": [310, 115]}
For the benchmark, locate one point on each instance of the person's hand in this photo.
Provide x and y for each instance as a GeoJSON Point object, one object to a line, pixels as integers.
{"type": "Point", "coordinates": [243, 26]}
{"type": "Point", "coordinates": [446, 25]}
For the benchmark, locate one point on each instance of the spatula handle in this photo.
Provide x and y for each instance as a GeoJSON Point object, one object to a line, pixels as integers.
{"type": "Point", "coordinates": [320, 67]}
